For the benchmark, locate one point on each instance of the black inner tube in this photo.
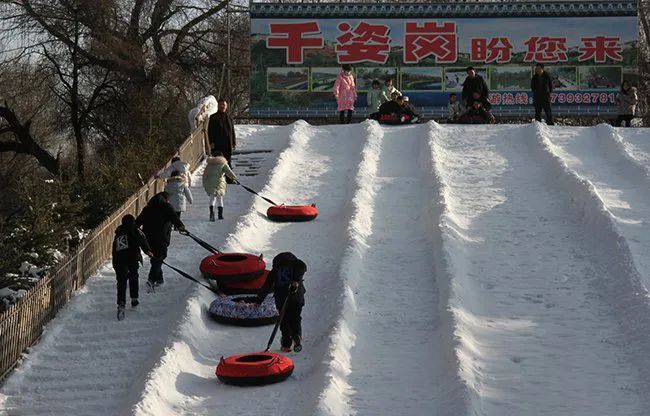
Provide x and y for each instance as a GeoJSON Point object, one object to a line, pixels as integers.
{"type": "Point", "coordinates": [232, 258]}
{"type": "Point", "coordinates": [254, 358]}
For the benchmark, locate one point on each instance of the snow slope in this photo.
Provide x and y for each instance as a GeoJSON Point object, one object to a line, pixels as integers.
{"type": "Point", "coordinates": [87, 363]}
{"type": "Point", "coordinates": [453, 270]}
{"type": "Point", "coordinates": [537, 333]}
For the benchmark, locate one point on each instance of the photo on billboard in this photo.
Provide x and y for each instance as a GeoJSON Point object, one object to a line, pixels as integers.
{"type": "Point", "coordinates": [600, 77]}
{"type": "Point", "coordinates": [287, 79]}
{"type": "Point", "coordinates": [421, 79]}
{"type": "Point", "coordinates": [564, 78]}
{"type": "Point", "coordinates": [454, 77]}
{"type": "Point", "coordinates": [510, 78]}
{"type": "Point", "coordinates": [365, 76]}
{"type": "Point", "coordinates": [323, 79]}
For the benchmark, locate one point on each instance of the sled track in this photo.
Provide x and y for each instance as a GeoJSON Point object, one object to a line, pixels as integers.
{"type": "Point", "coordinates": [319, 166]}
{"type": "Point", "coordinates": [393, 347]}
{"type": "Point", "coordinates": [87, 363]}
{"type": "Point", "coordinates": [533, 262]}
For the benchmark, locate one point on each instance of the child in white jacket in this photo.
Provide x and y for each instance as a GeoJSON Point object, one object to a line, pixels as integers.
{"type": "Point", "coordinates": [179, 193]}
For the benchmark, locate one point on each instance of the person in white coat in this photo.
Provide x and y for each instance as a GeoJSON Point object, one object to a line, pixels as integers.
{"type": "Point", "coordinates": [177, 165]}
{"type": "Point", "coordinates": [179, 193]}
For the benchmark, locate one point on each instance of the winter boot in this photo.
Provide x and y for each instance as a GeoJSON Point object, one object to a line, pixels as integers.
{"type": "Point", "coordinates": [297, 345]}
{"type": "Point", "coordinates": [285, 349]}
{"type": "Point", "coordinates": [134, 303]}
{"type": "Point", "coordinates": [120, 312]}
{"type": "Point", "coordinates": [220, 209]}
{"type": "Point", "coordinates": [212, 214]}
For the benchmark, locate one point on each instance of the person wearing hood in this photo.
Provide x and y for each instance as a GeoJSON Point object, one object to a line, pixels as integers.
{"type": "Point", "coordinates": [627, 100]}
{"type": "Point", "coordinates": [286, 281]}
{"type": "Point", "coordinates": [221, 131]}
{"type": "Point", "coordinates": [179, 193]}
{"type": "Point", "coordinates": [177, 165]}
{"type": "Point", "coordinates": [128, 242]}
{"type": "Point", "coordinates": [214, 181]}
{"type": "Point", "coordinates": [345, 92]}
{"type": "Point", "coordinates": [156, 220]}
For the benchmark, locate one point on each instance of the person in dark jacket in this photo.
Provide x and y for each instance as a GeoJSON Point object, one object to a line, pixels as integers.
{"type": "Point", "coordinates": [156, 220]}
{"type": "Point", "coordinates": [474, 88]}
{"type": "Point", "coordinates": [221, 133]}
{"type": "Point", "coordinates": [409, 109]}
{"type": "Point", "coordinates": [542, 87]}
{"type": "Point", "coordinates": [126, 260]}
{"type": "Point", "coordinates": [286, 282]}
{"type": "Point", "coordinates": [477, 114]}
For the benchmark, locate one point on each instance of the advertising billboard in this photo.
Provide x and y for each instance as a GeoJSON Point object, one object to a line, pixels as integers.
{"type": "Point", "coordinates": [297, 51]}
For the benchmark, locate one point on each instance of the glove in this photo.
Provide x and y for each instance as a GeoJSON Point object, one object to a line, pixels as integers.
{"type": "Point", "coordinates": [149, 253]}
{"type": "Point", "coordinates": [237, 182]}
{"type": "Point", "coordinates": [181, 229]}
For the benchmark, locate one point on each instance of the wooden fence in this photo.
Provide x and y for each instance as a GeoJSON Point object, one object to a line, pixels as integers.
{"type": "Point", "coordinates": [22, 324]}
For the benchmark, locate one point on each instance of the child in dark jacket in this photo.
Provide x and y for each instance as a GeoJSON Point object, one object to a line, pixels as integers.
{"type": "Point", "coordinates": [286, 282]}
{"type": "Point", "coordinates": [126, 261]}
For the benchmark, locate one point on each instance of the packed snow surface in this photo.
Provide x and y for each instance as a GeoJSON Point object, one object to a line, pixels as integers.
{"type": "Point", "coordinates": [452, 270]}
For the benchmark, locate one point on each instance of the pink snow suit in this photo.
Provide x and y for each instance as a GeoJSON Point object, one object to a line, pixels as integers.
{"type": "Point", "coordinates": [345, 91]}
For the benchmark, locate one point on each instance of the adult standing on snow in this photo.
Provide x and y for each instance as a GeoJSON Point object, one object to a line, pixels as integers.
{"type": "Point", "coordinates": [345, 91]}
{"type": "Point", "coordinates": [627, 100]}
{"type": "Point", "coordinates": [474, 88]}
{"type": "Point", "coordinates": [156, 220]}
{"type": "Point", "coordinates": [221, 131]}
{"type": "Point", "coordinates": [542, 87]}
{"type": "Point", "coordinates": [126, 260]}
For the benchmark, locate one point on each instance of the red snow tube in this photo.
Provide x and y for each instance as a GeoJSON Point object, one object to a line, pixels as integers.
{"type": "Point", "coordinates": [292, 213]}
{"type": "Point", "coordinates": [232, 267]}
{"type": "Point", "coordinates": [254, 369]}
{"type": "Point", "coordinates": [393, 119]}
{"type": "Point", "coordinates": [244, 288]}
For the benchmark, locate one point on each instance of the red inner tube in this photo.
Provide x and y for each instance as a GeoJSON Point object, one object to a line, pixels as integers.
{"type": "Point", "coordinates": [292, 212]}
{"type": "Point", "coordinates": [254, 369]}
{"type": "Point", "coordinates": [232, 267]}
{"type": "Point", "coordinates": [243, 288]}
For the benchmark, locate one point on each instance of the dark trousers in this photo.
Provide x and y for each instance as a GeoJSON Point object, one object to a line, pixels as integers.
{"type": "Point", "coordinates": [126, 274]}
{"type": "Point", "coordinates": [291, 325]}
{"type": "Point", "coordinates": [624, 119]}
{"type": "Point", "coordinates": [342, 116]}
{"type": "Point", "coordinates": [546, 106]}
{"type": "Point", "coordinates": [155, 273]}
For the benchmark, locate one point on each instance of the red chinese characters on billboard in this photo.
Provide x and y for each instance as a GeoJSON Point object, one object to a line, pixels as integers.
{"type": "Point", "coordinates": [294, 38]}
{"type": "Point", "coordinates": [430, 39]}
{"type": "Point", "coordinates": [365, 43]}
{"type": "Point", "coordinates": [599, 48]}
{"type": "Point", "coordinates": [490, 50]}
{"type": "Point", "coordinates": [546, 49]}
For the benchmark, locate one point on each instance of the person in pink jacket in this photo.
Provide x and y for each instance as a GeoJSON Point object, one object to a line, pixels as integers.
{"type": "Point", "coordinates": [345, 91]}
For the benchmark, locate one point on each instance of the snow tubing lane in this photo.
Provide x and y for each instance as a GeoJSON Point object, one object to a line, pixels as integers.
{"type": "Point", "coordinates": [292, 213]}
{"type": "Point", "coordinates": [254, 369]}
{"type": "Point", "coordinates": [242, 288]}
{"type": "Point", "coordinates": [232, 267]}
{"type": "Point", "coordinates": [231, 310]}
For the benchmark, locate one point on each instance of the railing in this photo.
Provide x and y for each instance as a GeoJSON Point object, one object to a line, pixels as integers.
{"type": "Point", "coordinates": [22, 324]}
